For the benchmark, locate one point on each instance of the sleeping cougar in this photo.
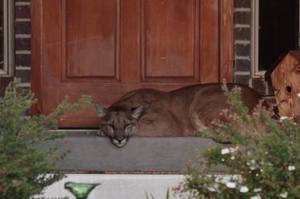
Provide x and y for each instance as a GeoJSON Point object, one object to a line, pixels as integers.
{"type": "Point", "coordinates": [182, 112]}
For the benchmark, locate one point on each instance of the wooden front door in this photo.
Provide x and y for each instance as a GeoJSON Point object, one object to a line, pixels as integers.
{"type": "Point", "coordinates": [105, 48]}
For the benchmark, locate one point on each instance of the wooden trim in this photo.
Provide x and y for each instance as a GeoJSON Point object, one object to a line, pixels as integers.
{"type": "Point", "coordinates": [36, 53]}
{"type": "Point", "coordinates": [226, 40]}
{"type": "Point", "coordinates": [256, 73]}
{"type": "Point", "coordinates": [8, 38]}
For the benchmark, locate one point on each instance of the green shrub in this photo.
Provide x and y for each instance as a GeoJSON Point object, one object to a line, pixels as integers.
{"type": "Point", "coordinates": [263, 160]}
{"type": "Point", "coordinates": [23, 168]}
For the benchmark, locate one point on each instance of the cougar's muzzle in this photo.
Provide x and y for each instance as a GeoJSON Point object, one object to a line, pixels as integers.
{"type": "Point", "coordinates": [119, 142]}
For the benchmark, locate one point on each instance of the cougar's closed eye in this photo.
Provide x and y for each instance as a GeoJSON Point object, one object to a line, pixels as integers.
{"type": "Point", "coordinates": [128, 130]}
{"type": "Point", "coordinates": [108, 130]}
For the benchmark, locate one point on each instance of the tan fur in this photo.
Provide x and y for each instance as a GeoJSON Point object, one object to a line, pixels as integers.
{"type": "Point", "coordinates": [181, 112]}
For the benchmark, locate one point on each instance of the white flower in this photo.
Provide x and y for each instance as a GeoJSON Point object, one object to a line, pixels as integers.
{"type": "Point", "coordinates": [211, 189]}
{"type": "Point", "coordinates": [232, 157]}
{"type": "Point", "coordinates": [257, 190]}
{"type": "Point", "coordinates": [284, 195]}
{"type": "Point", "coordinates": [231, 185]}
{"type": "Point", "coordinates": [214, 188]}
{"type": "Point", "coordinates": [232, 150]}
{"type": "Point", "coordinates": [224, 179]}
{"type": "Point", "coordinates": [225, 151]}
{"type": "Point", "coordinates": [291, 168]}
{"type": "Point", "coordinates": [244, 189]}
{"type": "Point", "coordinates": [252, 165]}
{"type": "Point", "coordinates": [256, 197]}
{"type": "Point", "coordinates": [228, 150]}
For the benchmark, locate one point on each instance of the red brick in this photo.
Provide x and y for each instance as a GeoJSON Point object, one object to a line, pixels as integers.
{"type": "Point", "coordinates": [243, 64]}
{"type": "Point", "coordinates": [22, 27]}
{"type": "Point", "coordinates": [242, 17]}
{"type": "Point", "coordinates": [242, 50]}
{"type": "Point", "coordinates": [22, 43]}
{"type": "Point", "coordinates": [22, 11]}
{"type": "Point", "coordinates": [242, 79]}
{"type": "Point", "coordinates": [242, 33]}
{"type": "Point", "coordinates": [242, 3]}
{"type": "Point", "coordinates": [25, 75]}
{"type": "Point", "coordinates": [23, 60]}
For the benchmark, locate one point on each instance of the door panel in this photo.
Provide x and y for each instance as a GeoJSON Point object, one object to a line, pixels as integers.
{"type": "Point", "coordinates": [106, 48]}
{"type": "Point", "coordinates": [170, 38]}
{"type": "Point", "coordinates": [90, 29]}
{"type": "Point", "coordinates": [209, 39]}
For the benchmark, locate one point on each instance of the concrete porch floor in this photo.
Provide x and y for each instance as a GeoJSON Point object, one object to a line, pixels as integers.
{"type": "Point", "coordinates": [93, 154]}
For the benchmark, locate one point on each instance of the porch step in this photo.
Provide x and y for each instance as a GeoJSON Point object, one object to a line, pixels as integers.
{"type": "Point", "coordinates": [94, 154]}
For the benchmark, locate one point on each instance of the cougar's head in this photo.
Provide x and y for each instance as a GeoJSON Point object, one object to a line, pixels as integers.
{"type": "Point", "coordinates": [119, 123]}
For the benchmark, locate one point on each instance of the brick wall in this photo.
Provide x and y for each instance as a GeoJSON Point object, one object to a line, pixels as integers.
{"type": "Point", "coordinates": [242, 48]}
{"type": "Point", "coordinates": [23, 41]}
{"type": "Point", "coordinates": [242, 43]}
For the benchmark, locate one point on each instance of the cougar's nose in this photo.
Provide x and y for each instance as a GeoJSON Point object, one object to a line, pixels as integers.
{"type": "Point", "coordinates": [119, 142]}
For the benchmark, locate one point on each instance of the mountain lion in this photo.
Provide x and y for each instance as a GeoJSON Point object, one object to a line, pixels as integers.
{"type": "Point", "coordinates": [182, 112]}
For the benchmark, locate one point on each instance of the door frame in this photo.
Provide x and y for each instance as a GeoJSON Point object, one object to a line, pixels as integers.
{"type": "Point", "coordinates": [226, 29]}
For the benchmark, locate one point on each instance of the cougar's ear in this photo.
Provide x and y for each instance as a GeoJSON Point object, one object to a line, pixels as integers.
{"type": "Point", "coordinates": [137, 112]}
{"type": "Point", "coordinates": [101, 111]}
